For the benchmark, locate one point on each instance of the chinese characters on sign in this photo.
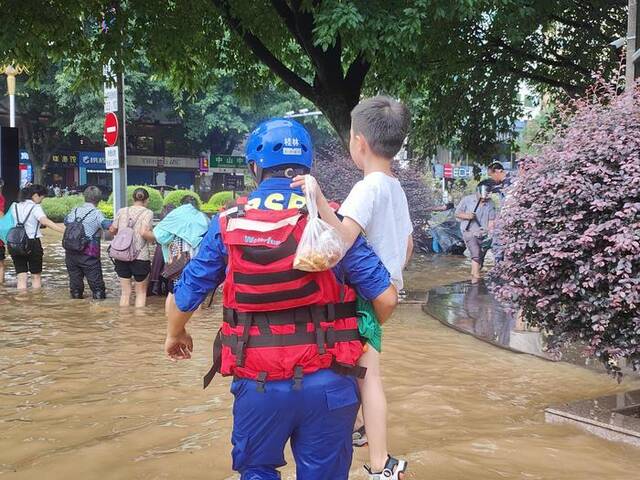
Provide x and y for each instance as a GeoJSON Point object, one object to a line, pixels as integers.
{"type": "Point", "coordinates": [64, 160]}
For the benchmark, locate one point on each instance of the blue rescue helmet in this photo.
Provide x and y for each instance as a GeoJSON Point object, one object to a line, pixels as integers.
{"type": "Point", "coordinates": [280, 144]}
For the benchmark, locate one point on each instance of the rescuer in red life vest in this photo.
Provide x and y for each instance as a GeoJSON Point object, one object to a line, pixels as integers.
{"type": "Point", "coordinates": [289, 338]}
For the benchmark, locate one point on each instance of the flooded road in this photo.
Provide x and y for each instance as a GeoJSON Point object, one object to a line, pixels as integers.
{"type": "Point", "coordinates": [86, 393]}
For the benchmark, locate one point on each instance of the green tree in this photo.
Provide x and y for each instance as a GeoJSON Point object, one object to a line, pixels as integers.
{"type": "Point", "coordinates": [332, 51]}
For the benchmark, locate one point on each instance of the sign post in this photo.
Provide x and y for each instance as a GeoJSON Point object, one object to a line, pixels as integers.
{"type": "Point", "coordinates": [115, 135]}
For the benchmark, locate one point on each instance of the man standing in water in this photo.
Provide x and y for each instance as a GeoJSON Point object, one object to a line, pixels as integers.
{"type": "Point", "coordinates": [290, 338]}
{"type": "Point", "coordinates": [476, 214]}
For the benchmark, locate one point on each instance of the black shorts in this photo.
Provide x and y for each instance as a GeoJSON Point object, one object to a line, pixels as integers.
{"type": "Point", "coordinates": [30, 263]}
{"type": "Point", "coordinates": [3, 255]}
{"type": "Point", "coordinates": [138, 269]}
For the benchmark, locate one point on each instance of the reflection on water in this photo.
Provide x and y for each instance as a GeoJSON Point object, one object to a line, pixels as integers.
{"type": "Point", "coordinates": [471, 308]}
{"type": "Point", "coordinates": [86, 393]}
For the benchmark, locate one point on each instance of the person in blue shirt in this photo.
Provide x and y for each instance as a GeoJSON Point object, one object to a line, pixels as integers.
{"type": "Point", "coordinates": [318, 419]}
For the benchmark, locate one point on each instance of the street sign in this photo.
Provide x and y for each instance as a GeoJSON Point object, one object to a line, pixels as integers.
{"type": "Point", "coordinates": [227, 161]}
{"type": "Point", "coordinates": [234, 182]}
{"type": "Point", "coordinates": [448, 170]}
{"type": "Point", "coordinates": [110, 99]}
{"type": "Point", "coordinates": [111, 158]}
{"type": "Point", "coordinates": [110, 129]}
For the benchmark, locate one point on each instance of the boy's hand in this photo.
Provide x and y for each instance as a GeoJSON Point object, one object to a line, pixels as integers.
{"type": "Point", "coordinates": [302, 181]}
{"type": "Point", "coordinates": [179, 346]}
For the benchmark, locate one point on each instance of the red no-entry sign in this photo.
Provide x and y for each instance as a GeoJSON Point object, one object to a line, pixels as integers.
{"type": "Point", "coordinates": [448, 170]}
{"type": "Point", "coordinates": [110, 129]}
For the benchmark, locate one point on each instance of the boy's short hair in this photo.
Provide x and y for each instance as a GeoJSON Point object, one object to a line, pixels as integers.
{"type": "Point", "coordinates": [384, 123]}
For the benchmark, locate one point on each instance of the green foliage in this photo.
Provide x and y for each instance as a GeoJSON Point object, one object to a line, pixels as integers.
{"type": "Point", "coordinates": [217, 202]}
{"type": "Point", "coordinates": [106, 208]}
{"type": "Point", "coordinates": [458, 62]}
{"type": "Point", "coordinates": [175, 197]}
{"type": "Point", "coordinates": [57, 208]}
{"type": "Point", "coordinates": [155, 199]}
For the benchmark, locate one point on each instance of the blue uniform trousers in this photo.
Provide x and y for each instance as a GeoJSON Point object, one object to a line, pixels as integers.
{"type": "Point", "coordinates": [318, 420]}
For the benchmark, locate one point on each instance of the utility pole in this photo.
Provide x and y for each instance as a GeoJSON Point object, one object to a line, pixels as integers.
{"type": "Point", "coordinates": [120, 173]}
{"type": "Point", "coordinates": [633, 56]}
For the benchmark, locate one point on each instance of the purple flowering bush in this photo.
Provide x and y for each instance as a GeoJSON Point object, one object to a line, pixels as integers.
{"type": "Point", "coordinates": [337, 174]}
{"type": "Point", "coordinates": [571, 228]}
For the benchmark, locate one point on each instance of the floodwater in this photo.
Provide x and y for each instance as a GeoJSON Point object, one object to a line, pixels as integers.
{"type": "Point", "coordinates": [86, 393]}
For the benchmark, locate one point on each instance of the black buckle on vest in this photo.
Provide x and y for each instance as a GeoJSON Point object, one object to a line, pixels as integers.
{"type": "Point", "coordinates": [260, 381]}
{"type": "Point", "coordinates": [246, 319]}
{"type": "Point", "coordinates": [241, 211]}
{"type": "Point", "coordinates": [349, 370]}
{"type": "Point", "coordinates": [297, 377]}
{"type": "Point", "coordinates": [317, 317]}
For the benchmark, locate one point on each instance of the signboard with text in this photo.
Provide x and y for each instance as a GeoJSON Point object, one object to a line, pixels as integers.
{"type": "Point", "coordinates": [111, 158]}
{"type": "Point", "coordinates": [233, 182]}
{"type": "Point", "coordinates": [226, 163]}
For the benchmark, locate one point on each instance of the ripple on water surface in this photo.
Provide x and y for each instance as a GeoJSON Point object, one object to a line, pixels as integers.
{"type": "Point", "coordinates": [86, 393]}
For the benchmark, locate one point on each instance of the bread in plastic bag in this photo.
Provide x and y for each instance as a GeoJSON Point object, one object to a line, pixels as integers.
{"type": "Point", "coordinates": [321, 246]}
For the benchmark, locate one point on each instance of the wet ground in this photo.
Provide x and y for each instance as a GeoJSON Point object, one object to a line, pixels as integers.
{"type": "Point", "coordinates": [86, 393]}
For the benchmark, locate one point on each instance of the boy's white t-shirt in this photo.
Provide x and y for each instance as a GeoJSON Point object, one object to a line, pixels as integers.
{"type": "Point", "coordinates": [379, 205]}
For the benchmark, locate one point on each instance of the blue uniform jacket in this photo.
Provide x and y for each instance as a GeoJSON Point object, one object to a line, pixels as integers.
{"type": "Point", "coordinates": [359, 268]}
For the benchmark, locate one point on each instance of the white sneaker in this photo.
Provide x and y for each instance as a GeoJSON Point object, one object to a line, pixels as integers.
{"type": "Point", "coordinates": [391, 471]}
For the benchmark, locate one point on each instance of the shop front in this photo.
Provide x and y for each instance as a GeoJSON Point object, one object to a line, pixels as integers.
{"type": "Point", "coordinates": [93, 170]}
{"type": "Point", "coordinates": [180, 171]}
{"type": "Point", "coordinates": [156, 170]}
{"type": "Point", "coordinates": [62, 170]}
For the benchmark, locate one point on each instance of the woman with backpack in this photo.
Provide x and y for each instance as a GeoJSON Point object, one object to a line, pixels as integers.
{"type": "Point", "coordinates": [23, 240]}
{"type": "Point", "coordinates": [129, 248]}
{"type": "Point", "coordinates": [81, 242]}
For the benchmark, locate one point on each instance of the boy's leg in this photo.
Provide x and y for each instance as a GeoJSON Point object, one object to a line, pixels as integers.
{"type": "Point", "coordinates": [321, 441]}
{"type": "Point", "coordinates": [262, 424]}
{"type": "Point", "coordinates": [374, 408]}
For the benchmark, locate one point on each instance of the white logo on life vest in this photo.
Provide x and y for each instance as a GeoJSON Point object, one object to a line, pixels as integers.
{"type": "Point", "coordinates": [266, 240]}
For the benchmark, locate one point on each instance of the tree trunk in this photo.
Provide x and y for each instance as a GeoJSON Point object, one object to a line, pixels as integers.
{"type": "Point", "coordinates": [337, 111]}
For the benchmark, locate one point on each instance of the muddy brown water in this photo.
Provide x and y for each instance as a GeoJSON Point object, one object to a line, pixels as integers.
{"type": "Point", "coordinates": [86, 393]}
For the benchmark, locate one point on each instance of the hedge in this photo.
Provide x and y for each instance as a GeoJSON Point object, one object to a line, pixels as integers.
{"type": "Point", "coordinates": [217, 202]}
{"type": "Point", "coordinates": [106, 208]}
{"type": "Point", "coordinates": [57, 208]}
{"type": "Point", "coordinates": [155, 199]}
{"type": "Point", "coordinates": [175, 197]}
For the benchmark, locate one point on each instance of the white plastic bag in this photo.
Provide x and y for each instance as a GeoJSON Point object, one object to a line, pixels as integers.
{"type": "Point", "coordinates": [321, 246]}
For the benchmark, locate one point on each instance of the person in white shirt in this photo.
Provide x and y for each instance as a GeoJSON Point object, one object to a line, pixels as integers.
{"type": "Point", "coordinates": [29, 212]}
{"type": "Point", "coordinates": [376, 206]}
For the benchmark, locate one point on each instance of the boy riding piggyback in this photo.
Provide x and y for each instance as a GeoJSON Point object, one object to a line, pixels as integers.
{"type": "Point", "coordinates": [376, 206]}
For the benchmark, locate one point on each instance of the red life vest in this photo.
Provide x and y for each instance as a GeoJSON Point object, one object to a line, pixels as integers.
{"type": "Point", "coordinates": [280, 323]}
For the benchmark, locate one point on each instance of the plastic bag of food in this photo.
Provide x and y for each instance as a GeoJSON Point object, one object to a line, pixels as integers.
{"type": "Point", "coordinates": [321, 246]}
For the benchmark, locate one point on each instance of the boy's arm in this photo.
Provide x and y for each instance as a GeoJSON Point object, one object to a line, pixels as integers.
{"type": "Point", "coordinates": [348, 228]}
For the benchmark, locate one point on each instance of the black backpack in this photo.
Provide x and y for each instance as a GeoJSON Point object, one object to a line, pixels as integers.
{"type": "Point", "coordinates": [17, 239]}
{"type": "Point", "coordinates": [75, 236]}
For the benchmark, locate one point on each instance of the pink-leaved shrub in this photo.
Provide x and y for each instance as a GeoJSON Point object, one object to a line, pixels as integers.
{"type": "Point", "coordinates": [571, 228]}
